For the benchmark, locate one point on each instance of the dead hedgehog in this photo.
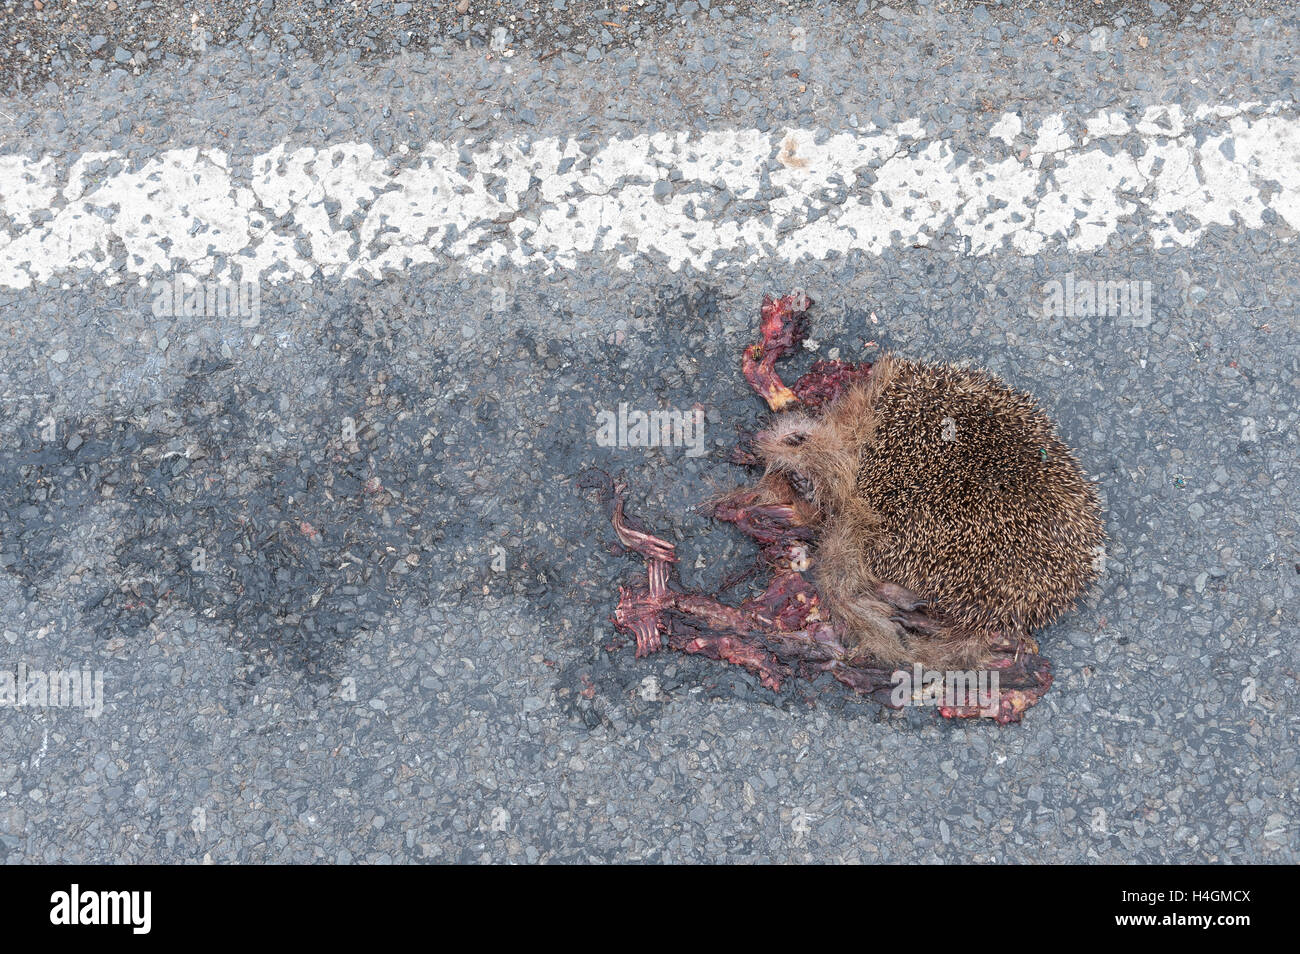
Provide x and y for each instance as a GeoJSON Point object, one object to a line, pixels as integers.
{"type": "Point", "coordinates": [942, 521]}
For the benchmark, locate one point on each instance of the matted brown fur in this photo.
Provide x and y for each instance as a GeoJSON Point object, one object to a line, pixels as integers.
{"type": "Point", "coordinates": [948, 483]}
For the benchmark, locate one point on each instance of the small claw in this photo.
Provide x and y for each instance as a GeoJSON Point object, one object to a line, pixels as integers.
{"type": "Point", "coordinates": [900, 597]}
{"type": "Point", "coordinates": [766, 523]}
{"type": "Point", "coordinates": [918, 622]}
{"type": "Point", "coordinates": [638, 613]}
{"type": "Point", "coordinates": [648, 640]}
{"type": "Point", "coordinates": [743, 453]}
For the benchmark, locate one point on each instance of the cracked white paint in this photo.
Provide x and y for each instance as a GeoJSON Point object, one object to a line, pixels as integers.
{"type": "Point", "coordinates": [1007, 128]}
{"type": "Point", "coordinates": [713, 200]}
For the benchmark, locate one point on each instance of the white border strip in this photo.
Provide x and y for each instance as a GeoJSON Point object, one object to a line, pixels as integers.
{"type": "Point", "coordinates": [719, 199]}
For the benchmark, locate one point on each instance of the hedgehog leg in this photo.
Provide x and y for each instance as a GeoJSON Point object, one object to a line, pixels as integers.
{"type": "Point", "coordinates": [739, 649]}
{"type": "Point", "coordinates": [1007, 686]}
{"type": "Point", "coordinates": [766, 522]}
{"type": "Point", "coordinates": [742, 455]}
{"type": "Point", "coordinates": [782, 325]}
{"type": "Point", "coordinates": [772, 635]}
{"type": "Point", "coordinates": [782, 630]}
{"type": "Point", "coordinates": [1022, 676]}
{"type": "Point", "coordinates": [1022, 679]}
{"type": "Point", "coordinates": [640, 609]}
{"type": "Point", "coordinates": [693, 623]}
{"type": "Point", "coordinates": [772, 515]}
{"type": "Point", "coordinates": [900, 597]}
{"type": "Point", "coordinates": [876, 683]}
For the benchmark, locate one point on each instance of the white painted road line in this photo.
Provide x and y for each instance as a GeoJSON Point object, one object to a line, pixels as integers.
{"type": "Point", "coordinates": [704, 201]}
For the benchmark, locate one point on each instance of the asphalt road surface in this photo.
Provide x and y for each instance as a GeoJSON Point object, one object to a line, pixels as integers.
{"type": "Point", "coordinates": [311, 317]}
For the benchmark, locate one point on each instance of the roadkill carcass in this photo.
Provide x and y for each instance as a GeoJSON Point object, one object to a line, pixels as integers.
{"type": "Point", "coordinates": [919, 524]}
